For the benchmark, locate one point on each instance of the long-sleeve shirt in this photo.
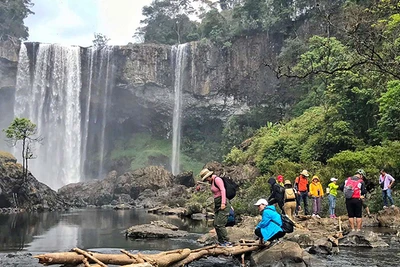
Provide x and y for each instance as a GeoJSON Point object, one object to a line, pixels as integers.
{"type": "Point", "coordinates": [333, 189]}
{"type": "Point", "coordinates": [218, 189]}
{"type": "Point", "coordinates": [387, 178]}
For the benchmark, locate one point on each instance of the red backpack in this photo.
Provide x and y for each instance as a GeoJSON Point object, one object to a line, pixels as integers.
{"type": "Point", "coordinates": [351, 188]}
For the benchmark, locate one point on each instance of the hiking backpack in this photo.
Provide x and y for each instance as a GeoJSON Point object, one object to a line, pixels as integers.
{"type": "Point", "coordinates": [289, 194]}
{"type": "Point", "coordinates": [230, 187]}
{"type": "Point", "coordinates": [287, 224]}
{"type": "Point", "coordinates": [351, 189]}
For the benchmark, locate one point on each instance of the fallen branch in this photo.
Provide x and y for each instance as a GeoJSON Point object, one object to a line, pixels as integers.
{"type": "Point", "coordinates": [87, 255]}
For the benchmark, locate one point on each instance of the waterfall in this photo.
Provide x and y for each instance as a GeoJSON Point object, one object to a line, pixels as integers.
{"type": "Point", "coordinates": [180, 55]}
{"type": "Point", "coordinates": [66, 92]}
{"type": "Point", "coordinates": [97, 93]}
{"type": "Point", "coordinates": [48, 94]}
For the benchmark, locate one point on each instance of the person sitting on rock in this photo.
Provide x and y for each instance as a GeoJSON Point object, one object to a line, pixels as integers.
{"type": "Point", "coordinates": [222, 205]}
{"type": "Point", "coordinates": [269, 228]}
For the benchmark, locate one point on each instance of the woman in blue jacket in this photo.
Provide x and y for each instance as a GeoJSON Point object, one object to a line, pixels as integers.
{"type": "Point", "coordinates": [269, 228]}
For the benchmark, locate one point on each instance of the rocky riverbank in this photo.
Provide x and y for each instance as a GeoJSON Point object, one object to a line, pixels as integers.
{"type": "Point", "coordinates": [19, 194]}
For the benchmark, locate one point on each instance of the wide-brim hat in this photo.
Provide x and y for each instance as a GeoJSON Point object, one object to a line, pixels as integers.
{"type": "Point", "coordinates": [261, 201]}
{"type": "Point", "coordinates": [287, 182]}
{"type": "Point", "coordinates": [333, 179]}
{"type": "Point", "coordinates": [205, 173]}
{"type": "Point", "coordinates": [305, 173]}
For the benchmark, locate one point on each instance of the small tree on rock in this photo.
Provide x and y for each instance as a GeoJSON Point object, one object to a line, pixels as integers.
{"type": "Point", "coordinates": [22, 129]}
{"type": "Point", "coordinates": [100, 40]}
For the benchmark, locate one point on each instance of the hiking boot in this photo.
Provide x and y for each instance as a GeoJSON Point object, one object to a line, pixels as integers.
{"type": "Point", "coordinates": [226, 244]}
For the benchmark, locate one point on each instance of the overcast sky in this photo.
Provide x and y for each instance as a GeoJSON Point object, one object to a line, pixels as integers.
{"type": "Point", "coordinates": [75, 21]}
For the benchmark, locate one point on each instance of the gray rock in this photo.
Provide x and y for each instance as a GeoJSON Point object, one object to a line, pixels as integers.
{"type": "Point", "coordinates": [154, 230]}
{"type": "Point", "coordinates": [362, 239]}
{"type": "Point", "coordinates": [321, 246]}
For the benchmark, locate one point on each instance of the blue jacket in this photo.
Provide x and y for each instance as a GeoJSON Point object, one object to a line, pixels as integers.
{"type": "Point", "coordinates": [267, 226]}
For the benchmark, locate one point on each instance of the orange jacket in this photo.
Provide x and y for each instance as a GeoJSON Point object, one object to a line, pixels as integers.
{"type": "Point", "coordinates": [302, 183]}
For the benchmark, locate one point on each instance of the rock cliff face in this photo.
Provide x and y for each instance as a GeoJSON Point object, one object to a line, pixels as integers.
{"type": "Point", "coordinates": [136, 96]}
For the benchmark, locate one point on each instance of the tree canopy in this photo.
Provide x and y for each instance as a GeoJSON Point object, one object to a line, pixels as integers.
{"type": "Point", "coordinates": [12, 15]}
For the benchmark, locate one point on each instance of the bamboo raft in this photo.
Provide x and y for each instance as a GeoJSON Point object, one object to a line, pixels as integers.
{"type": "Point", "coordinates": [173, 258]}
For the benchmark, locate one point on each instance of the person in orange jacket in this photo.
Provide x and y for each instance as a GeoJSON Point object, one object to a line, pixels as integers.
{"type": "Point", "coordinates": [316, 193]}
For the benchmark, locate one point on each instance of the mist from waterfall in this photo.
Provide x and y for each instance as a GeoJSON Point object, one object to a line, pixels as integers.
{"type": "Point", "coordinates": [48, 94]}
{"type": "Point", "coordinates": [180, 55]}
{"type": "Point", "coordinates": [66, 91]}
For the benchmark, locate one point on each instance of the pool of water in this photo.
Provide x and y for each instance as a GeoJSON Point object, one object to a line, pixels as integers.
{"type": "Point", "coordinates": [88, 229]}
{"type": "Point", "coordinates": [27, 234]}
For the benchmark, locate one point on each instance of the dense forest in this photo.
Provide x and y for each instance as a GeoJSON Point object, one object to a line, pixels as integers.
{"type": "Point", "coordinates": [339, 61]}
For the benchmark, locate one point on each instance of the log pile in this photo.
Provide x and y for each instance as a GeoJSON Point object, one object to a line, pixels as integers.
{"type": "Point", "coordinates": [173, 258]}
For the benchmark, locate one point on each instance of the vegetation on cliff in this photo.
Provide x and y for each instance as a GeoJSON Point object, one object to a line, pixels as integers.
{"type": "Point", "coordinates": [12, 15]}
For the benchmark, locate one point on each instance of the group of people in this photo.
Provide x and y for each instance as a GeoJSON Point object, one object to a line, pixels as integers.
{"type": "Point", "coordinates": [354, 189]}
{"type": "Point", "coordinates": [289, 198]}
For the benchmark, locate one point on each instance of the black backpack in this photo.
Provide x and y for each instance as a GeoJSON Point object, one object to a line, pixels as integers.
{"type": "Point", "coordinates": [287, 224]}
{"type": "Point", "coordinates": [230, 187]}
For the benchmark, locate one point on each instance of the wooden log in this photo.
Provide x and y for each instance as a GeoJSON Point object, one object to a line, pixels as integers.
{"type": "Point", "coordinates": [133, 256]}
{"type": "Point", "coordinates": [144, 264]}
{"type": "Point", "coordinates": [87, 255]}
{"type": "Point", "coordinates": [74, 258]}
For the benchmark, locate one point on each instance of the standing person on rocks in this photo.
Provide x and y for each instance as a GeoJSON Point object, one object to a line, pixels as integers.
{"type": "Point", "coordinates": [332, 197]}
{"type": "Point", "coordinates": [354, 189]}
{"type": "Point", "coordinates": [316, 193]}
{"type": "Point", "coordinates": [279, 180]}
{"type": "Point", "coordinates": [269, 228]}
{"type": "Point", "coordinates": [386, 182]}
{"type": "Point", "coordinates": [277, 194]}
{"type": "Point", "coordinates": [222, 205]}
{"type": "Point", "coordinates": [301, 185]}
{"type": "Point", "coordinates": [289, 200]}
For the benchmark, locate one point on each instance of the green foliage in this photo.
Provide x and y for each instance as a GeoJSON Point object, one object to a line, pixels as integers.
{"type": "Point", "coordinates": [143, 150]}
{"type": "Point", "coordinates": [100, 40]}
{"type": "Point", "coordinates": [22, 129]}
{"type": "Point", "coordinates": [389, 108]}
{"type": "Point", "coordinates": [12, 15]}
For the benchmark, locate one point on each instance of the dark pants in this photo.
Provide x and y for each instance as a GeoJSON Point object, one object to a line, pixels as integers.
{"type": "Point", "coordinates": [304, 197]}
{"type": "Point", "coordinates": [278, 235]}
{"type": "Point", "coordinates": [220, 219]}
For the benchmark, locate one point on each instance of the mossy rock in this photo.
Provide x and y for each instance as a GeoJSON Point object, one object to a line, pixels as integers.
{"type": "Point", "coordinates": [6, 157]}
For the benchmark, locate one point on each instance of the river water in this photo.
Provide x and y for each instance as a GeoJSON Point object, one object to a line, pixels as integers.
{"type": "Point", "coordinates": [101, 230]}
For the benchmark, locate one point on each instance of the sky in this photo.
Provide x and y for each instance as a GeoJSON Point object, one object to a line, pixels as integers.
{"type": "Point", "coordinates": [74, 22]}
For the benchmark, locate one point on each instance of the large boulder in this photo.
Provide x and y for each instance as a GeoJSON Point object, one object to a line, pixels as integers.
{"type": "Point", "coordinates": [154, 182]}
{"type": "Point", "coordinates": [285, 253]}
{"type": "Point", "coordinates": [156, 229]}
{"type": "Point", "coordinates": [25, 193]}
{"type": "Point", "coordinates": [362, 239]}
{"type": "Point", "coordinates": [389, 217]}
{"type": "Point", "coordinates": [240, 173]}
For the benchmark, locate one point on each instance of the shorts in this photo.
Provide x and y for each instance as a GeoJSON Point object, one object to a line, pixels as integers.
{"type": "Point", "coordinates": [354, 207]}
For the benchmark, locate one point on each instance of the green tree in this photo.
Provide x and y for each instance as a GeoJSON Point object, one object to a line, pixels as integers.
{"type": "Point", "coordinates": [389, 123]}
{"type": "Point", "coordinates": [100, 40]}
{"type": "Point", "coordinates": [22, 129]}
{"type": "Point", "coordinates": [167, 22]}
{"type": "Point", "coordinates": [12, 15]}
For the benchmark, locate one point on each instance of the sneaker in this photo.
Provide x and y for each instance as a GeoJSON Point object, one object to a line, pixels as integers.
{"type": "Point", "coordinates": [319, 217]}
{"type": "Point", "coordinates": [313, 215]}
{"type": "Point", "coordinates": [358, 230]}
{"type": "Point", "coordinates": [331, 216]}
{"type": "Point", "coordinates": [385, 207]}
{"type": "Point", "coordinates": [353, 230]}
{"type": "Point", "coordinates": [334, 216]}
{"type": "Point", "coordinates": [393, 206]}
{"type": "Point", "coordinates": [226, 244]}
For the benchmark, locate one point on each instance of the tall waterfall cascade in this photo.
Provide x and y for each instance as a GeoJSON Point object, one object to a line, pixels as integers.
{"type": "Point", "coordinates": [180, 55]}
{"type": "Point", "coordinates": [53, 94]}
